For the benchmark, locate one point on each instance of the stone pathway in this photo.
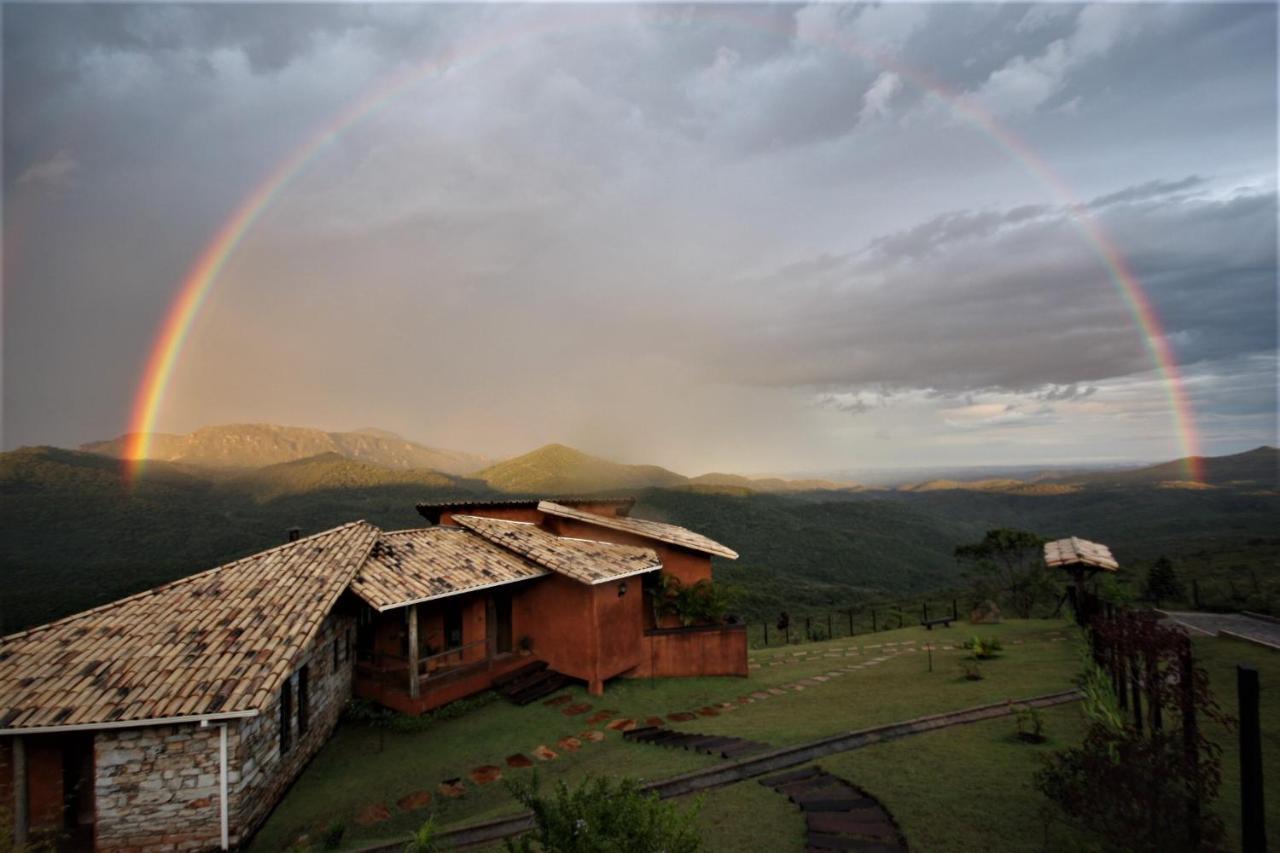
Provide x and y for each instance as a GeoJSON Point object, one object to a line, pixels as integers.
{"type": "Point", "coordinates": [1234, 625]}
{"type": "Point", "coordinates": [838, 815]}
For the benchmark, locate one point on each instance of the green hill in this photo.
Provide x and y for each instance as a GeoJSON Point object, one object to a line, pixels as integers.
{"type": "Point", "coordinates": [558, 470]}
{"type": "Point", "coordinates": [78, 534]}
{"type": "Point", "coordinates": [334, 471]}
{"type": "Point", "coordinates": [256, 445]}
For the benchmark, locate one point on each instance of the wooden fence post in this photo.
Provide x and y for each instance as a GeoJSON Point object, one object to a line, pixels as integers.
{"type": "Point", "coordinates": [1190, 740]}
{"type": "Point", "coordinates": [1253, 826]}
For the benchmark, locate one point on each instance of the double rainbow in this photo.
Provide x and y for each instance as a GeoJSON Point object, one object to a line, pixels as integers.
{"type": "Point", "coordinates": [199, 281]}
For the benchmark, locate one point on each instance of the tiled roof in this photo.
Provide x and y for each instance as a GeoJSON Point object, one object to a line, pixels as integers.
{"type": "Point", "coordinates": [1073, 551]}
{"type": "Point", "coordinates": [433, 509]}
{"type": "Point", "coordinates": [581, 559]}
{"type": "Point", "coordinates": [409, 566]}
{"type": "Point", "coordinates": [216, 643]}
{"type": "Point", "coordinates": [668, 533]}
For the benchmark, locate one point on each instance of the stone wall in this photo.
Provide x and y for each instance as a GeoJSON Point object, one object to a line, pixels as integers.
{"type": "Point", "coordinates": [156, 788]}
{"type": "Point", "coordinates": [263, 773]}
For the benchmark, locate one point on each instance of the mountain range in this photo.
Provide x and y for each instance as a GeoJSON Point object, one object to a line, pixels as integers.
{"type": "Point", "coordinates": [256, 445]}
{"type": "Point", "coordinates": [80, 530]}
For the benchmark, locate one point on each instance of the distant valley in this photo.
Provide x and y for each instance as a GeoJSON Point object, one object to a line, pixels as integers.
{"type": "Point", "coordinates": [79, 533]}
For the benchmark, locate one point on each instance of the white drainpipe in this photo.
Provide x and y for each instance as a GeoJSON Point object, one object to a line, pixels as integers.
{"type": "Point", "coordinates": [222, 784]}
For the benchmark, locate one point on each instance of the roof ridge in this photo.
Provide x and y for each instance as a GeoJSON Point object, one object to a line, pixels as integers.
{"type": "Point", "coordinates": [71, 617]}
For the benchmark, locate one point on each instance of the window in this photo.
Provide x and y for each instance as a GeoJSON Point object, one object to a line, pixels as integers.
{"type": "Point", "coordinates": [286, 716]}
{"type": "Point", "coordinates": [304, 712]}
{"type": "Point", "coordinates": [452, 625]}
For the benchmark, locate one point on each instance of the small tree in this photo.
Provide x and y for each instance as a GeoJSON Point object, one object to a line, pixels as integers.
{"type": "Point", "coordinates": [1163, 582]}
{"type": "Point", "coordinates": [603, 816]}
{"type": "Point", "coordinates": [1008, 564]}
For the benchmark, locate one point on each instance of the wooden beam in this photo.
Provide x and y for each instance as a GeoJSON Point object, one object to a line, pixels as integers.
{"type": "Point", "coordinates": [21, 796]}
{"type": "Point", "coordinates": [413, 651]}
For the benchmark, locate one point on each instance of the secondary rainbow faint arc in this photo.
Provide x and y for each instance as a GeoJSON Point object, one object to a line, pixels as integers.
{"type": "Point", "coordinates": [198, 283]}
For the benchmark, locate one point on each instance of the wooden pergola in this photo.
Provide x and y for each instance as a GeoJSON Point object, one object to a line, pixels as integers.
{"type": "Point", "coordinates": [1082, 559]}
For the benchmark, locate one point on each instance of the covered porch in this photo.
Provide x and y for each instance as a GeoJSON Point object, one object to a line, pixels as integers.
{"type": "Point", "coordinates": [421, 656]}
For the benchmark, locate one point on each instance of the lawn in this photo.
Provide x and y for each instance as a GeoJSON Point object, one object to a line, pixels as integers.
{"type": "Point", "coordinates": [959, 789]}
{"type": "Point", "coordinates": [360, 768]}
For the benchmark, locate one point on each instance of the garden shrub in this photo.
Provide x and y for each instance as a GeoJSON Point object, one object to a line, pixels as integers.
{"type": "Point", "coordinates": [603, 816]}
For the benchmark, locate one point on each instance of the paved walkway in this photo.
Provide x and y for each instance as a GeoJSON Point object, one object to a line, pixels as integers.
{"type": "Point", "coordinates": [1237, 625]}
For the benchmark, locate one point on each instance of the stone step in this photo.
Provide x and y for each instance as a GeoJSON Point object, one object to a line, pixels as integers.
{"type": "Point", "coordinates": [639, 732]}
{"type": "Point", "coordinates": [835, 823]}
{"type": "Point", "coordinates": [818, 841]}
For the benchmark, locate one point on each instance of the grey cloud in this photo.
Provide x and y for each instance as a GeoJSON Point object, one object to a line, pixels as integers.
{"type": "Point", "coordinates": [1148, 190]}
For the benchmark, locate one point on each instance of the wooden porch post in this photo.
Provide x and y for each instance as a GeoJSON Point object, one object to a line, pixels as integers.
{"type": "Point", "coordinates": [413, 651]}
{"type": "Point", "coordinates": [21, 797]}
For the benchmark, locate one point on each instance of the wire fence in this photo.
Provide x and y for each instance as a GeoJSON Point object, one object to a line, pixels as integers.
{"type": "Point", "coordinates": [814, 625]}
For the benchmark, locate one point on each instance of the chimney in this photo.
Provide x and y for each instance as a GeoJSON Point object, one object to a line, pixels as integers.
{"type": "Point", "coordinates": [295, 533]}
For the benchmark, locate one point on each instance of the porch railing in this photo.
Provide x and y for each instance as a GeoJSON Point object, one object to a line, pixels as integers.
{"type": "Point", "coordinates": [440, 663]}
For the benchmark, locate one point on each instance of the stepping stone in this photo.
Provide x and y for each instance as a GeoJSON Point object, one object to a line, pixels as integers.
{"type": "Point", "coordinates": [593, 735]}
{"type": "Point", "coordinates": [519, 760]}
{"type": "Point", "coordinates": [569, 744]}
{"type": "Point", "coordinates": [414, 801]}
{"type": "Point", "coordinates": [744, 700]}
{"type": "Point", "coordinates": [622, 724]}
{"type": "Point", "coordinates": [373, 813]}
{"type": "Point", "coordinates": [777, 691]}
{"type": "Point", "coordinates": [759, 694]}
{"type": "Point", "coordinates": [575, 710]}
{"type": "Point", "coordinates": [452, 788]}
{"type": "Point", "coordinates": [681, 717]}
{"type": "Point", "coordinates": [846, 824]}
{"type": "Point", "coordinates": [544, 754]}
{"type": "Point", "coordinates": [557, 700]}
{"type": "Point", "coordinates": [822, 841]}
{"type": "Point", "coordinates": [600, 716]}
{"type": "Point", "coordinates": [486, 774]}
{"type": "Point", "coordinates": [653, 721]}
{"type": "Point", "coordinates": [797, 687]}
{"type": "Point", "coordinates": [821, 678]}
{"type": "Point", "coordinates": [708, 712]}
{"type": "Point", "coordinates": [824, 802]}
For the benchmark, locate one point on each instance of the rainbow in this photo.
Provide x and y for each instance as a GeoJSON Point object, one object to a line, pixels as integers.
{"type": "Point", "coordinates": [195, 288]}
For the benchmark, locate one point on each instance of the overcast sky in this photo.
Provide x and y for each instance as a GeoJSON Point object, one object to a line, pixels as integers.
{"type": "Point", "coordinates": [710, 237]}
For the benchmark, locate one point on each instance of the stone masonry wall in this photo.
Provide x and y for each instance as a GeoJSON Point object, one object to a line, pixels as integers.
{"type": "Point", "coordinates": [265, 774]}
{"type": "Point", "coordinates": [156, 788]}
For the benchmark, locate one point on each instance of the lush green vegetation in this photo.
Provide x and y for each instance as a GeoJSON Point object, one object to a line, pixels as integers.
{"type": "Point", "coordinates": [77, 534]}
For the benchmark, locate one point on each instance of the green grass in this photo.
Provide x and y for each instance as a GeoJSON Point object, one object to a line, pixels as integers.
{"type": "Point", "coordinates": [1219, 658]}
{"type": "Point", "coordinates": [901, 687]}
{"type": "Point", "coordinates": [352, 771]}
{"type": "Point", "coordinates": [966, 788]}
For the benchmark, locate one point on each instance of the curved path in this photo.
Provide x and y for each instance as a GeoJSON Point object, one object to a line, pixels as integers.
{"type": "Point", "coordinates": [756, 765]}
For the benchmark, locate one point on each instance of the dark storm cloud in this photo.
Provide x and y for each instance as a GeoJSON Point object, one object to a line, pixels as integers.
{"type": "Point", "coordinates": [774, 228]}
{"type": "Point", "coordinates": [1017, 300]}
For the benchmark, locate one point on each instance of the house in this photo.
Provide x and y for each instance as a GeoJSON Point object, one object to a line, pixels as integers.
{"type": "Point", "coordinates": [175, 719]}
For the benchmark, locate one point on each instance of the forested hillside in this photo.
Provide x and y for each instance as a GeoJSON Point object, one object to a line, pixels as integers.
{"type": "Point", "coordinates": [77, 535]}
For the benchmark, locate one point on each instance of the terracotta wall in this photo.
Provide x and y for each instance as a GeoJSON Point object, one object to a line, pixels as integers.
{"type": "Point", "coordinates": [681, 652]}
{"type": "Point", "coordinates": [557, 613]}
{"type": "Point", "coordinates": [620, 626]}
